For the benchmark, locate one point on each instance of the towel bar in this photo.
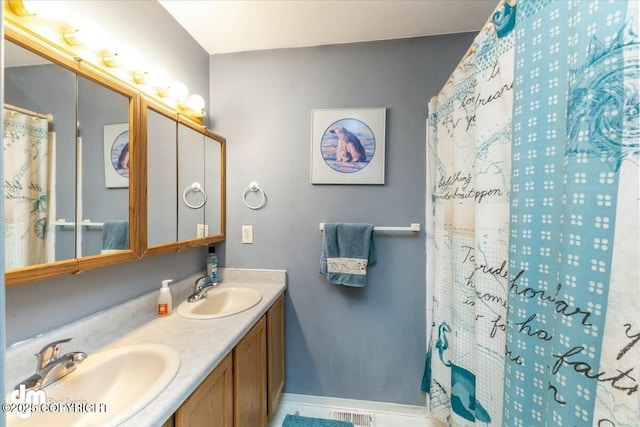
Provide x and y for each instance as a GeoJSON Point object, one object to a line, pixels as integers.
{"type": "Point", "coordinates": [413, 227]}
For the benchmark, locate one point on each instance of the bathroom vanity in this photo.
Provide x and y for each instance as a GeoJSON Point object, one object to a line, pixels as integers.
{"type": "Point", "coordinates": [231, 368]}
{"type": "Point", "coordinates": [245, 388]}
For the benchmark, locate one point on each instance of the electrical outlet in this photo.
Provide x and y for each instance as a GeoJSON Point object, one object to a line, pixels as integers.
{"type": "Point", "coordinates": [247, 234]}
{"type": "Point", "coordinates": [200, 232]}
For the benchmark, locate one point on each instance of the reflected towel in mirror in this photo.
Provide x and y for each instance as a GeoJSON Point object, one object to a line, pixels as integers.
{"type": "Point", "coordinates": [115, 236]}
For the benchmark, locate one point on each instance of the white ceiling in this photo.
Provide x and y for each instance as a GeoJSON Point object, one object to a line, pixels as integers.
{"type": "Point", "coordinates": [223, 26]}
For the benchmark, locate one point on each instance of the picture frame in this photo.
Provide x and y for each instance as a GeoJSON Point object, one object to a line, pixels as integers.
{"type": "Point", "coordinates": [348, 145]}
{"type": "Point", "coordinates": [116, 155]}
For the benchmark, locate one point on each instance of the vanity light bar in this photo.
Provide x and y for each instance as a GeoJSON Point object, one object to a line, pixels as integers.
{"type": "Point", "coordinates": [113, 62]}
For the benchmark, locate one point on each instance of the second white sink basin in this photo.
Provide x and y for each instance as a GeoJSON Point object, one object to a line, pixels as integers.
{"type": "Point", "coordinates": [120, 382]}
{"type": "Point", "coordinates": [220, 302]}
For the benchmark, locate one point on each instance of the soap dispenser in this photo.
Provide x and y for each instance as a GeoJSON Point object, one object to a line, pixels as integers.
{"type": "Point", "coordinates": [164, 299]}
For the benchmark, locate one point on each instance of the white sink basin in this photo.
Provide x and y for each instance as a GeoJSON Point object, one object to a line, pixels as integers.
{"type": "Point", "coordinates": [124, 380]}
{"type": "Point", "coordinates": [220, 302]}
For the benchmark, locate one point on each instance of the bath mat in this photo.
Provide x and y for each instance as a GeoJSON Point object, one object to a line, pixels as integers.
{"type": "Point", "coordinates": [298, 421]}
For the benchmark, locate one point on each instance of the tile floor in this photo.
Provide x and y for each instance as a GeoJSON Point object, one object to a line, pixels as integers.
{"type": "Point", "coordinates": [381, 419]}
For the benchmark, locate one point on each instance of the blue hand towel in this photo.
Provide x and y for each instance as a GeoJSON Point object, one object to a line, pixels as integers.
{"type": "Point", "coordinates": [115, 236]}
{"type": "Point", "coordinates": [346, 251]}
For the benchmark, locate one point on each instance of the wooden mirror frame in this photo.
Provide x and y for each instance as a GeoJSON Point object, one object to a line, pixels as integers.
{"type": "Point", "coordinates": [145, 105]}
{"type": "Point", "coordinates": [137, 178]}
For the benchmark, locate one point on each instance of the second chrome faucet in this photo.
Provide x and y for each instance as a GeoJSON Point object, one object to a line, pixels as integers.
{"type": "Point", "coordinates": [200, 288]}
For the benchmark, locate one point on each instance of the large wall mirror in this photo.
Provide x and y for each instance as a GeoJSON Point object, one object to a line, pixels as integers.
{"type": "Point", "coordinates": [185, 182]}
{"type": "Point", "coordinates": [69, 165]}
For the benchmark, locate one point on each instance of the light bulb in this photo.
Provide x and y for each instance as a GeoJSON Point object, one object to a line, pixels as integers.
{"type": "Point", "coordinates": [53, 10]}
{"type": "Point", "coordinates": [178, 90]}
{"type": "Point", "coordinates": [129, 58]}
{"type": "Point", "coordinates": [95, 37]}
{"type": "Point", "coordinates": [195, 103]}
{"type": "Point", "coordinates": [91, 35]}
{"type": "Point", "coordinates": [158, 78]}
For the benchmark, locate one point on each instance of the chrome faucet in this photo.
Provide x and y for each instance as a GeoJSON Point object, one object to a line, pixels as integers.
{"type": "Point", "coordinates": [200, 288]}
{"type": "Point", "coordinates": [50, 366]}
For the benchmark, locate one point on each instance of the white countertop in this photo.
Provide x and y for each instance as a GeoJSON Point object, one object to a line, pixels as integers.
{"type": "Point", "coordinates": [202, 344]}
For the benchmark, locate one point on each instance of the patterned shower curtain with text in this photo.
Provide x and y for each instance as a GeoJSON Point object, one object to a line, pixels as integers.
{"type": "Point", "coordinates": [26, 183]}
{"type": "Point", "coordinates": [533, 278]}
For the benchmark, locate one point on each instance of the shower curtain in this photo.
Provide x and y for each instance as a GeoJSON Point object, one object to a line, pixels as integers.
{"type": "Point", "coordinates": [533, 279]}
{"type": "Point", "coordinates": [26, 183]}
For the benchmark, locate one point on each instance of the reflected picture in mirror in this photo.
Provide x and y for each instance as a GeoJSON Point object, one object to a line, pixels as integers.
{"type": "Point", "coordinates": [116, 155]}
{"type": "Point", "coordinates": [122, 166]}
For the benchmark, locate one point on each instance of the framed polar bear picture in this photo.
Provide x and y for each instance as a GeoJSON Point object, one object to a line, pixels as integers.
{"type": "Point", "coordinates": [348, 145]}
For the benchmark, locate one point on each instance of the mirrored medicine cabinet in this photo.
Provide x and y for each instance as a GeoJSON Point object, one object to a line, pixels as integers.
{"type": "Point", "coordinates": [185, 181]}
{"type": "Point", "coordinates": [58, 198]}
{"type": "Point", "coordinates": [95, 174]}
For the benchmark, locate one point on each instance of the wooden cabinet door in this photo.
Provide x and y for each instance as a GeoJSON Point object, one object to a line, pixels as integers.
{"type": "Point", "coordinates": [250, 378]}
{"type": "Point", "coordinates": [170, 422]}
{"type": "Point", "coordinates": [275, 355]}
{"type": "Point", "coordinates": [211, 404]}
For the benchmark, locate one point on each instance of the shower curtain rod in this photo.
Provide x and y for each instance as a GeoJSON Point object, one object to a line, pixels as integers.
{"type": "Point", "coordinates": [472, 48]}
{"type": "Point", "coordinates": [47, 117]}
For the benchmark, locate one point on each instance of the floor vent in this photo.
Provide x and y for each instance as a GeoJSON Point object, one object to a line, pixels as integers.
{"type": "Point", "coordinates": [359, 419]}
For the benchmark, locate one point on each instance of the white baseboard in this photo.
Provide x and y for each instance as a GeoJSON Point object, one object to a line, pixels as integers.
{"type": "Point", "coordinates": [361, 405]}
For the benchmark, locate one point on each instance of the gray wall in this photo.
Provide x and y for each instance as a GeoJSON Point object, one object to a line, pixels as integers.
{"type": "Point", "coordinates": [364, 343]}
{"type": "Point", "coordinates": [40, 306]}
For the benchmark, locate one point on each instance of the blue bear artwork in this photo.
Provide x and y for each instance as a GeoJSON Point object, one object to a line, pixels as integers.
{"type": "Point", "coordinates": [348, 145]}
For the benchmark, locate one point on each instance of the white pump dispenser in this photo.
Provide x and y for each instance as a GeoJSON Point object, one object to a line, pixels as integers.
{"type": "Point", "coordinates": [164, 299]}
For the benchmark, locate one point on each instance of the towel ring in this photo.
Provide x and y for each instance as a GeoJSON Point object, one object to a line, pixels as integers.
{"type": "Point", "coordinates": [253, 187]}
{"type": "Point", "coordinates": [196, 188]}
